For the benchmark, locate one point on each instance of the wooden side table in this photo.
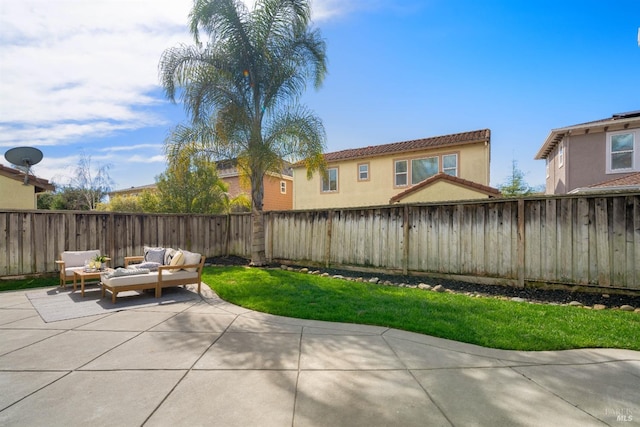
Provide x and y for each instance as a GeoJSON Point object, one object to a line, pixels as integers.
{"type": "Point", "coordinates": [84, 275]}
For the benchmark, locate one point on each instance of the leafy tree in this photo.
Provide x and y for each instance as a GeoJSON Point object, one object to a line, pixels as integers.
{"type": "Point", "coordinates": [126, 203]}
{"type": "Point", "coordinates": [242, 89]}
{"type": "Point", "coordinates": [516, 186]}
{"type": "Point", "coordinates": [191, 185]}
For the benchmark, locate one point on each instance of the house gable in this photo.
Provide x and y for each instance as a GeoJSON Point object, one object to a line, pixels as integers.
{"type": "Point", "coordinates": [443, 187]}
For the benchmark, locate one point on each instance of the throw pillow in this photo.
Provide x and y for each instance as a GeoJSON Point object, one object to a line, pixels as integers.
{"type": "Point", "coordinates": [190, 258]}
{"type": "Point", "coordinates": [154, 254]}
{"type": "Point", "coordinates": [152, 266]}
{"type": "Point", "coordinates": [168, 255]}
{"type": "Point", "coordinates": [178, 259]}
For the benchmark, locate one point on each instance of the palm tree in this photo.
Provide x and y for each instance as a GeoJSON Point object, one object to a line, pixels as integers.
{"type": "Point", "coordinates": [241, 89]}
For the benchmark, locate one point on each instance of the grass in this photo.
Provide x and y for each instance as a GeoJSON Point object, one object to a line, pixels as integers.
{"type": "Point", "coordinates": [483, 321]}
{"type": "Point", "coordinates": [37, 282]}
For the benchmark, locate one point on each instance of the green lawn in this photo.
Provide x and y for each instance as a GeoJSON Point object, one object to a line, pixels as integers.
{"type": "Point", "coordinates": [487, 322]}
{"type": "Point", "coordinates": [484, 321]}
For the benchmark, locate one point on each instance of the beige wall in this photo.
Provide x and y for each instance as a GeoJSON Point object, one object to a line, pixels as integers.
{"type": "Point", "coordinates": [473, 165]}
{"type": "Point", "coordinates": [443, 192]}
{"type": "Point", "coordinates": [15, 195]}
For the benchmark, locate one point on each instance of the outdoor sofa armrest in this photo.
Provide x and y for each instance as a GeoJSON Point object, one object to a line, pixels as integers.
{"type": "Point", "coordinates": [133, 260]}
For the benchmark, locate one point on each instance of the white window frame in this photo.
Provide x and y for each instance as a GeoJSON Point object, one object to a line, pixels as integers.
{"type": "Point", "coordinates": [362, 172]}
{"type": "Point", "coordinates": [396, 174]}
{"type": "Point", "coordinates": [561, 154]}
{"type": "Point", "coordinates": [546, 163]}
{"type": "Point", "coordinates": [455, 168]}
{"type": "Point", "coordinates": [283, 187]}
{"type": "Point", "coordinates": [327, 180]}
{"type": "Point", "coordinates": [635, 156]}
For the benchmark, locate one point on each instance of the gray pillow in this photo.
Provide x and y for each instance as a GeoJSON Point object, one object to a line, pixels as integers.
{"type": "Point", "coordinates": [152, 266]}
{"type": "Point", "coordinates": [154, 255]}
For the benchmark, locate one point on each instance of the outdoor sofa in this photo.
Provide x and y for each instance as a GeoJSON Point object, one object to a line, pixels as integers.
{"type": "Point", "coordinates": [152, 271]}
{"type": "Point", "coordinates": [71, 261]}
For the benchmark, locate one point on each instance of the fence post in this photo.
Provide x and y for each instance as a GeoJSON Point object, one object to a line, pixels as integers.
{"type": "Point", "coordinates": [405, 247]}
{"type": "Point", "coordinates": [327, 246]}
{"type": "Point", "coordinates": [521, 243]}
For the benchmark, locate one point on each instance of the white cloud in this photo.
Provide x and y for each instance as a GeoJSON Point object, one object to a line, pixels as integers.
{"type": "Point", "coordinates": [73, 68]}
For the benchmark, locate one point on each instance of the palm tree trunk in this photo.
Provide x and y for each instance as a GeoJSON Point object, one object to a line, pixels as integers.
{"type": "Point", "coordinates": [258, 257]}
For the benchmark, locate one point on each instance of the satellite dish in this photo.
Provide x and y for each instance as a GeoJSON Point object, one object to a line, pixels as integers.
{"type": "Point", "coordinates": [24, 158]}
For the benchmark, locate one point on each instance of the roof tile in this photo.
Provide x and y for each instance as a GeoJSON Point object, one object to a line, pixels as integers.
{"type": "Point", "coordinates": [483, 135]}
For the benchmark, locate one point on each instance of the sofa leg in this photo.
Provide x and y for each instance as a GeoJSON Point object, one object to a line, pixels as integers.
{"type": "Point", "coordinates": [158, 292]}
{"type": "Point", "coordinates": [113, 296]}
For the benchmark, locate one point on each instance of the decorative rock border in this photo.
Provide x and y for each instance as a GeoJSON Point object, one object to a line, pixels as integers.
{"type": "Point", "coordinates": [440, 288]}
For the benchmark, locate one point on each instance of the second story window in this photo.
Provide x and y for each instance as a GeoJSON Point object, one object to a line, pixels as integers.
{"type": "Point", "coordinates": [400, 173]}
{"type": "Point", "coordinates": [363, 172]}
{"type": "Point", "coordinates": [547, 166]}
{"type": "Point", "coordinates": [283, 187]}
{"type": "Point", "coordinates": [422, 169]}
{"type": "Point", "coordinates": [621, 152]}
{"type": "Point", "coordinates": [330, 182]}
{"type": "Point", "coordinates": [561, 154]}
{"type": "Point", "coordinates": [450, 164]}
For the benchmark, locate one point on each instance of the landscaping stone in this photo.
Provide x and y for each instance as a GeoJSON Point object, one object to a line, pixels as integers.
{"type": "Point", "coordinates": [599, 306]}
{"type": "Point", "coordinates": [424, 286]}
{"type": "Point", "coordinates": [518, 299]}
{"type": "Point", "coordinates": [439, 288]}
{"type": "Point", "coordinates": [338, 276]}
{"type": "Point", "coordinates": [284, 267]}
{"type": "Point", "coordinates": [374, 280]}
{"type": "Point", "coordinates": [304, 270]}
{"type": "Point", "coordinates": [576, 304]}
{"type": "Point", "coordinates": [627, 308]}
{"type": "Point", "coordinates": [324, 275]}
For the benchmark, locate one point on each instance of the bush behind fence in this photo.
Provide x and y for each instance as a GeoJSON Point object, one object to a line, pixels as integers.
{"type": "Point", "coordinates": [576, 240]}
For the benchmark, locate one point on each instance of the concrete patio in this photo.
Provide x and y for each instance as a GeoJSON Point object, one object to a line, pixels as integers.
{"type": "Point", "coordinates": [208, 362]}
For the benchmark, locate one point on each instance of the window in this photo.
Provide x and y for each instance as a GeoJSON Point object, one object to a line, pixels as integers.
{"type": "Point", "coordinates": [363, 172]}
{"type": "Point", "coordinates": [450, 164]}
{"type": "Point", "coordinates": [401, 173]}
{"type": "Point", "coordinates": [283, 187]}
{"type": "Point", "coordinates": [622, 155]}
{"type": "Point", "coordinates": [546, 162]}
{"type": "Point", "coordinates": [561, 154]}
{"type": "Point", "coordinates": [422, 169]}
{"type": "Point", "coordinates": [330, 182]}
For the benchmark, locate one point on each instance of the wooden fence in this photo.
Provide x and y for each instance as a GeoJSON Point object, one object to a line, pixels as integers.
{"type": "Point", "coordinates": [577, 240]}
{"type": "Point", "coordinates": [33, 240]}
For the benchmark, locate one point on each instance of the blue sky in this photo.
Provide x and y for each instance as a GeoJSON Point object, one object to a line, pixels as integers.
{"type": "Point", "coordinates": [79, 77]}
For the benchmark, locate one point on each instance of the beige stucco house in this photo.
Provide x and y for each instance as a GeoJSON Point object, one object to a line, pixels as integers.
{"type": "Point", "coordinates": [441, 168]}
{"type": "Point", "coordinates": [15, 194]}
{"type": "Point", "coordinates": [587, 154]}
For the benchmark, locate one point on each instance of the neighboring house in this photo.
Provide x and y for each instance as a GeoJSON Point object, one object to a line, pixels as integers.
{"type": "Point", "coordinates": [442, 168]}
{"type": "Point", "coordinates": [583, 155]}
{"type": "Point", "coordinates": [15, 194]}
{"type": "Point", "coordinates": [278, 189]}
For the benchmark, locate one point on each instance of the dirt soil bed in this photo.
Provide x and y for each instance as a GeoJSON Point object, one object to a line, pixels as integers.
{"type": "Point", "coordinates": [608, 299]}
